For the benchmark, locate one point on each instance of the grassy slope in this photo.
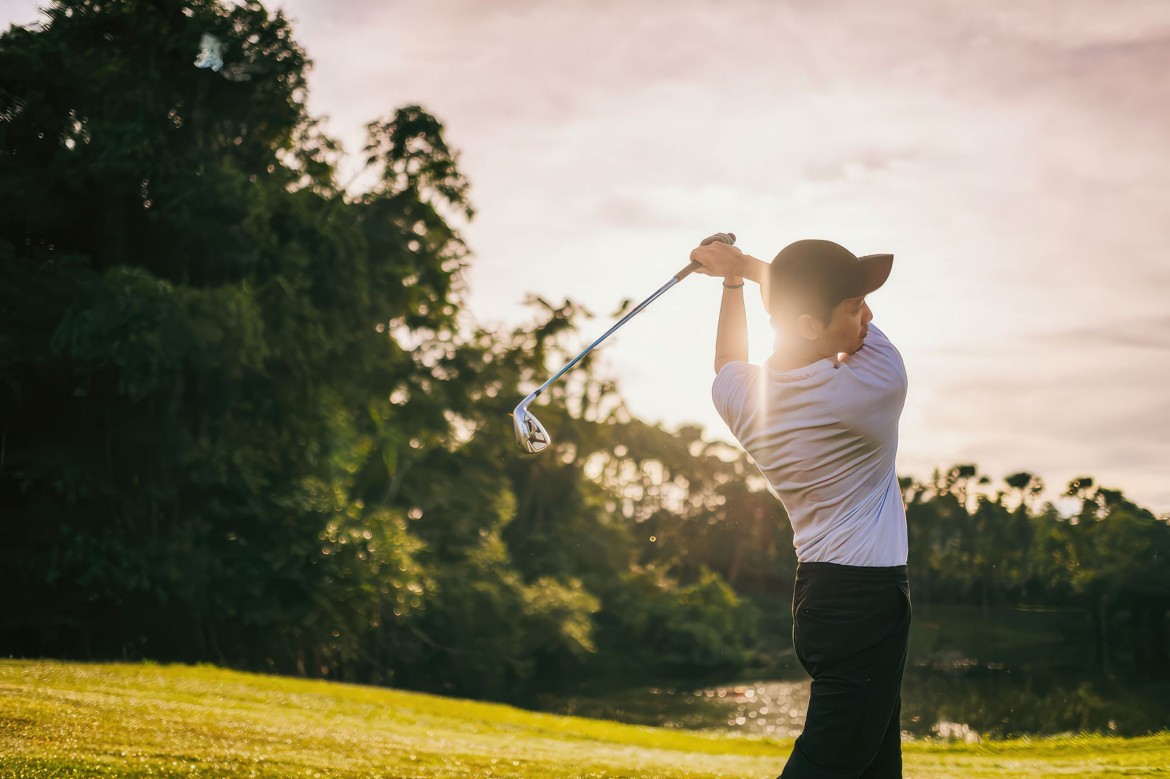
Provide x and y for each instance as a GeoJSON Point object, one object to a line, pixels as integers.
{"type": "Point", "coordinates": [71, 719]}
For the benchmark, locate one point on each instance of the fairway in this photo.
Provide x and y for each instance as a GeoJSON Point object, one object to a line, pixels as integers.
{"type": "Point", "coordinates": [72, 719]}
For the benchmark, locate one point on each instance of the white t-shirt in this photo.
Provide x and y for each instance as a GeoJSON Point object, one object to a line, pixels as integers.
{"type": "Point", "coordinates": [825, 437]}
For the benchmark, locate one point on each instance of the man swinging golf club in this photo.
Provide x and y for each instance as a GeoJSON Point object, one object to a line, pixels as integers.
{"type": "Point", "coordinates": [820, 419]}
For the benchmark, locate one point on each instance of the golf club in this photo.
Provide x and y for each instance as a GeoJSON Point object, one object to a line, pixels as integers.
{"type": "Point", "coordinates": [531, 436]}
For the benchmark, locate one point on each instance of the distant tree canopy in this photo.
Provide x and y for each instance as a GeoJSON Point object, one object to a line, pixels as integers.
{"type": "Point", "coordinates": [241, 419]}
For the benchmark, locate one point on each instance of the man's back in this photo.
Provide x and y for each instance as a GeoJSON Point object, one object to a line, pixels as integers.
{"type": "Point", "coordinates": [825, 436]}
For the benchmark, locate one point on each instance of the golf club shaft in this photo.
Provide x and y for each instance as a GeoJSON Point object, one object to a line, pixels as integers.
{"type": "Point", "coordinates": [728, 238]}
{"type": "Point", "coordinates": [609, 332]}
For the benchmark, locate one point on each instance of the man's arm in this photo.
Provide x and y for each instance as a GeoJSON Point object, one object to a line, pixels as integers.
{"type": "Point", "coordinates": [718, 259]}
{"type": "Point", "coordinates": [750, 268]}
{"type": "Point", "coordinates": [757, 270]}
{"type": "Point", "coordinates": [731, 342]}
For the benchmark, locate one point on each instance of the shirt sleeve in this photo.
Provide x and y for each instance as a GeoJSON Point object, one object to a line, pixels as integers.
{"type": "Point", "coordinates": [879, 359]}
{"type": "Point", "coordinates": [731, 393]}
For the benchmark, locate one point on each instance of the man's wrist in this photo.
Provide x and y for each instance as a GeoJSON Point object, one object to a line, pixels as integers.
{"type": "Point", "coordinates": [733, 274]}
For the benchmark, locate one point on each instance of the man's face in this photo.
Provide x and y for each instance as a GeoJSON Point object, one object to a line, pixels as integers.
{"type": "Point", "coordinates": [847, 327]}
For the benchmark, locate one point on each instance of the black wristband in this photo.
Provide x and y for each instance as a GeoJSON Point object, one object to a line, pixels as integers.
{"type": "Point", "coordinates": [732, 286]}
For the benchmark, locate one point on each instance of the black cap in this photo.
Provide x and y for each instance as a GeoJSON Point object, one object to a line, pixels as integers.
{"type": "Point", "coordinates": [813, 276]}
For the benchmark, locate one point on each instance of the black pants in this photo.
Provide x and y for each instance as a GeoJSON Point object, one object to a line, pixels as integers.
{"type": "Point", "coordinates": [850, 626]}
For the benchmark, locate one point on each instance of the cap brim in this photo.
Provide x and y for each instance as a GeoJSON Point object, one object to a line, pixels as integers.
{"type": "Point", "coordinates": [875, 269]}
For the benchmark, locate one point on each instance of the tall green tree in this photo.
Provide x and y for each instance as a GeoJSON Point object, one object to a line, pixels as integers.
{"type": "Point", "coordinates": [199, 330]}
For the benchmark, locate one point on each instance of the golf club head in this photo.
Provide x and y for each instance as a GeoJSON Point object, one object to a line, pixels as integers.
{"type": "Point", "coordinates": [531, 436]}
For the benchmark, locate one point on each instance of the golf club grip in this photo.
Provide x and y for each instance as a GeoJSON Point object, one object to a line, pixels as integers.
{"type": "Point", "coordinates": [727, 238]}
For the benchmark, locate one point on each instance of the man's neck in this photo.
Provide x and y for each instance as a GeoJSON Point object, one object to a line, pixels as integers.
{"type": "Point", "coordinates": [789, 359]}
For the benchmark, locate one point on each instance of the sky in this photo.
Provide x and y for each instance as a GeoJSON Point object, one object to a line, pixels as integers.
{"type": "Point", "coordinates": [1013, 156]}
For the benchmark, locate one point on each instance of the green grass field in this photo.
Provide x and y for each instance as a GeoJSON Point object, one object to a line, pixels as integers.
{"type": "Point", "coordinates": [73, 719]}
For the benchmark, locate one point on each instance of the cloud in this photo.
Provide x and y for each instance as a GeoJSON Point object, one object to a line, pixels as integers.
{"type": "Point", "coordinates": [1094, 413]}
{"type": "Point", "coordinates": [1150, 332]}
{"type": "Point", "coordinates": [631, 212]}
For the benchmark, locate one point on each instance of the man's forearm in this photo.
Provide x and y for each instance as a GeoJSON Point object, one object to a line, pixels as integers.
{"type": "Point", "coordinates": [731, 340]}
{"type": "Point", "coordinates": [749, 267]}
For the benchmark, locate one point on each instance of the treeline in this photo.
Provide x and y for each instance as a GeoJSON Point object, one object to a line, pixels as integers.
{"type": "Point", "coordinates": [244, 418]}
{"type": "Point", "coordinates": [1111, 558]}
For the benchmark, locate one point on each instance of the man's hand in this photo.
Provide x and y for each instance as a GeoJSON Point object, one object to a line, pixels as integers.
{"type": "Point", "coordinates": [717, 259]}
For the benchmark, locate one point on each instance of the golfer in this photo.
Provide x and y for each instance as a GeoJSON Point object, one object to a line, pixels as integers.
{"type": "Point", "coordinates": [820, 419]}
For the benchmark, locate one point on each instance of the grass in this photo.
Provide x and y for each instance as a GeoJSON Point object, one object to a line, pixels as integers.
{"type": "Point", "coordinates": [136, 720]}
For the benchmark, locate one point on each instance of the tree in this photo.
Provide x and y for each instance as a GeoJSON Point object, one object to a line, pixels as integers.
{"type": "Point", "coordinates": [198, 332]}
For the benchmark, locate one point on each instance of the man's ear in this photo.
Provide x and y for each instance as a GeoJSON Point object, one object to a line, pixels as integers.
{"type": "Point", "coordinates": [809, 327]}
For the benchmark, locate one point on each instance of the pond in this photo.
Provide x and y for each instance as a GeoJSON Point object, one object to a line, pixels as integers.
{"type": "Point", "coordinates": [1019, 675]}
